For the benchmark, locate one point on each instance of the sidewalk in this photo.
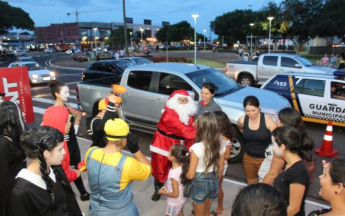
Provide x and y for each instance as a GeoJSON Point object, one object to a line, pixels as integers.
{"type": "Point", "coordinates": [142, 192]}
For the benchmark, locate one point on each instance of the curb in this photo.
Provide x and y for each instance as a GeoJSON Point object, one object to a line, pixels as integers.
{"type": "Point", "coordinates": [48, 63]}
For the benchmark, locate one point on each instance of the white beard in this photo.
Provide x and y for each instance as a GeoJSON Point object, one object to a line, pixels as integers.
{"type": "Point", "coordinates": [184, 111]}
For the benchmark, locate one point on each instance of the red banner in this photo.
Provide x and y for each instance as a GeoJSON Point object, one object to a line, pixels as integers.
{"type": "Point", "coordinates": [14, 82]}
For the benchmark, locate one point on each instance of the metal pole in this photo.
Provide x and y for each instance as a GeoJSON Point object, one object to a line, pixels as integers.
{"type": "Point", "coordinates": [269, 40]}
{"type": "Point", "coordinates": [269, 36]}
{"type": "Point", "coordinates": [194, 40]}
{"type": "Point", "coordinates": [195, 16]}
{"type": "Point", "coordinates": [125, 27]}
{"type": "Point", "coordinates": [251, 40]}
{"type": "Point", "coordinates": [142, 51]}
{"type": "Point", "coordinates": [204, 39]}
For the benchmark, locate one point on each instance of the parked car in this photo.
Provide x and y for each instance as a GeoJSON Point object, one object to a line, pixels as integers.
{"type": "Point", "coordinates": [49, 50]}
{"type": "Point", "coordinates": [25, 59]}
{"type": "Point", "coordinates": [105, 68]}
{"type": "Point", "coordinates": [37, 73]}
{"type": "Point", "coordinates": [19, 53]}
{"type": "Point", "coordinates": [149, 87]}
{"type": "Point", "coordinates": [70, 51]}
{"type": "Point", "coordinates": [80, 57]}
{"type": "Point", "coordinates": [137, 60]}
{"type": "Point", "coordinates": [248, 73]}
{"type": "Point", "coordinates": [318, 97]}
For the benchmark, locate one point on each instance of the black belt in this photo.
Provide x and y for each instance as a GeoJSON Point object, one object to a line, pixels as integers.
{"type": "Point", "coordinates": [170, 135]}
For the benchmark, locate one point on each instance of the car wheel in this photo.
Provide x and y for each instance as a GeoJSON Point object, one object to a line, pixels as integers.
{"type": "Point", "coordinates": [237, 148]}
{"type": "Point", "coordinates": [246, 80]}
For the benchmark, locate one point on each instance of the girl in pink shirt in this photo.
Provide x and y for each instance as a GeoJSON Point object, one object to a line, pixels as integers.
{"type": "Point", "coordinates": [179, 157]}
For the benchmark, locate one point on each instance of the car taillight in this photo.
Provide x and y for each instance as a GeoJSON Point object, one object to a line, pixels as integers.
{"type": "Point", "coordinates": [226, 70]}
{"type": "Point", "coordinates": [77, 91]}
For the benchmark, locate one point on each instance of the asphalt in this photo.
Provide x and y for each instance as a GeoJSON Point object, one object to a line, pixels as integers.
{"type": "Point", "coordinates": [142, 192]}
{"type": "Point", "coordinates": [67, 61]}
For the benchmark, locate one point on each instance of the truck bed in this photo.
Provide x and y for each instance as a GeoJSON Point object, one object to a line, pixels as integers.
{"type": "Point", "coordinates": [244, 62]}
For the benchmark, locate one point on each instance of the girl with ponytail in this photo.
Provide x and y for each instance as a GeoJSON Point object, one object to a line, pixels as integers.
{"type": "Point", "coordinates": [179, 157]}
{"type": "Point", "coordinates": [60, 93]}
{"type": "Point", "coordinates": [38, 190]}
{"type": "Point", "coordinates": [293, 182]}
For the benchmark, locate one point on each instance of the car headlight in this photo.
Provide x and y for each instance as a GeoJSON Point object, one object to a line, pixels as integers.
{"type": "Point", "coordinates": [52, 73]}
{"type": "Point", "coordinates": [35, 76]}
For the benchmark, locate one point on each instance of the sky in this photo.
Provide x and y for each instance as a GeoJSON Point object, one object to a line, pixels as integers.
{"type": "Point", "coordinates": [45, 12]}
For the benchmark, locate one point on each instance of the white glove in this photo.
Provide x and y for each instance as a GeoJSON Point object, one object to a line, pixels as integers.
{"type": "Point", "coordinates": [76, 128]}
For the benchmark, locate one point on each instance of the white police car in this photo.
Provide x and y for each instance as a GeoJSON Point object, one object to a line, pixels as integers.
{"type": "Point", "coordinates": [318, 97]}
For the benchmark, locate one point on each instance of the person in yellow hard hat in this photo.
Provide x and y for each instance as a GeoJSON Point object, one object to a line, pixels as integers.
{"type": "Point", "coordinates": [111, 173]}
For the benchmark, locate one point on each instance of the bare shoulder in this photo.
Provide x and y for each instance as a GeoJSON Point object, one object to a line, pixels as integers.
{"type": "Point", "coordinates": [270, 123]}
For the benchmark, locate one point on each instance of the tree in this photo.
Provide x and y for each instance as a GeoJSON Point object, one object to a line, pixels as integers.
{"type": "Point", "coordinates": [117, 37]}
{"type": "Point", "coordinates": [301, 16]}
{"type": "Point", "coordinates": [13, 17]}
{"type": "Point", "coordinates": [162, 34]}
{"type": "Point", "coordinates": [177, 32]}
{"type": "Point", "coordinates": [331, 20]}
{"type": "Point", "coordinates": [234, 25]}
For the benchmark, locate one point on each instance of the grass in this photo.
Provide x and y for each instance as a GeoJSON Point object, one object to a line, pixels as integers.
{"type": "Point", "coordinates": [209, 63]}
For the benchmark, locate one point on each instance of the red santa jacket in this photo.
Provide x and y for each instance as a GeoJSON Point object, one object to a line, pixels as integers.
{"type": "Point", "coordinates": [171, 124]}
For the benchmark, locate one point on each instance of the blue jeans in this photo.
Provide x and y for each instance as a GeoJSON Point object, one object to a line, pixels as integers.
{"type": "Point", "coordinates": [205, 186]}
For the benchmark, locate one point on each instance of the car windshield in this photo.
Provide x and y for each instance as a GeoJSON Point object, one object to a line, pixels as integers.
{"type": "Point", "coordinates": [225, 85]}
{"type": "Point", "coordinates": [304, 61]}
{"type": "Point", "coordinates": [141, 61]}
{"type": "Point", "coordinates": [34, 66]}
{"type": "Point", "coordinates": [124, 64]}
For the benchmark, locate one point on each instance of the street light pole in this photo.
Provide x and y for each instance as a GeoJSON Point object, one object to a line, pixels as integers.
{"type": "Point", "coordinates": [95, 29]}
{"type": "Point", "coordinates": [141, 31]}
{"type": "Point", "coordinates": [204, 38]}
{"type": "Point", "coordinates": [195, 16]}
{"type": "Point", "coordinates": [251, 39]}
{"type": "Point", "coordinates": [269, 36]}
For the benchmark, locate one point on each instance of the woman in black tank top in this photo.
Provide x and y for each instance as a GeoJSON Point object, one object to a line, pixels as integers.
{"type": "Point", "coordinates": [256, 129]}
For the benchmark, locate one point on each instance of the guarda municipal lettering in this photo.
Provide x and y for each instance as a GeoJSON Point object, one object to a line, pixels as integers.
{"type": "Point", "coordinates": [326, 108]}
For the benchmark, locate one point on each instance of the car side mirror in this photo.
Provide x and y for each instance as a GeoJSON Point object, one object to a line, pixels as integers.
{"type": "Point", "coordinates": [298, 66]}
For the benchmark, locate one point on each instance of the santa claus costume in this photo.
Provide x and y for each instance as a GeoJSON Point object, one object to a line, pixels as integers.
{"type": "Point", "coordinates": [175, 126]}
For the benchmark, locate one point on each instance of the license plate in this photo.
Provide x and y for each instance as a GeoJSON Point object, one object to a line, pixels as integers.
{"type": "Point", "coordinates": [46, 78]}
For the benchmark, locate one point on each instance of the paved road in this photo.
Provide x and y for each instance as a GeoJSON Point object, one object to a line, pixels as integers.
{"type": "Point", "coordinates": [42, 99]}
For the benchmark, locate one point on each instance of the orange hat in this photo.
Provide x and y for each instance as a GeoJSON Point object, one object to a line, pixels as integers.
{"type": "Point", "coordinates": [56, 117]}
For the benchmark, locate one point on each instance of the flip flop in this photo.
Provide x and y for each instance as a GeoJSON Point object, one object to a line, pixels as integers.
{"type": "Point", "coordinates": [214, 213]}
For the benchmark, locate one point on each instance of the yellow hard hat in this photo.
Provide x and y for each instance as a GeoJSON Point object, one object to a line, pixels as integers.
{"type": "Point", "coordinates": [116, 129]}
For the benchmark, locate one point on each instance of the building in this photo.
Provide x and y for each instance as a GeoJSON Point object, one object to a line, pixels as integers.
{"type": "Point", "coordinates": [14, 41]}
{"type": "Point", "coordinates": [88, 34]}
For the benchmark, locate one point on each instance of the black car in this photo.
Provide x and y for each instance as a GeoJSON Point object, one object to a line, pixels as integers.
{"type": "Point", "coordinates": [105, 68]}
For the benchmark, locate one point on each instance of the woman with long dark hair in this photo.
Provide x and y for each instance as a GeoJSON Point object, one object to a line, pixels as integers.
{"type": "Point", "coordinates": [293, 182]}
{"type": "Point", "coordinates": [12, 157]}
{"type": "Point", "coordinates": [60, 92]}
{"type": "Point", "coordinates": [40, 190]}
{"type": "Point", "coordinates": [206, 163]}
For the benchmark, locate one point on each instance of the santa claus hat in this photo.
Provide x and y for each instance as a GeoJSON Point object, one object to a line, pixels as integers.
{"type": "Point", "coordinates": [179, 93]}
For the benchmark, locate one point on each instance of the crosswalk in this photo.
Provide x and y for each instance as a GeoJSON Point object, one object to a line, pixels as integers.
{"type": "Point", "coordinates": [42, 102]}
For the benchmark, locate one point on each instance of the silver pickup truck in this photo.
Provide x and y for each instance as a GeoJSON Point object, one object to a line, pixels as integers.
{"type": "Point", "coordinates": [149, 87]}
{"type": "Point", "coordinates": [248, 73]}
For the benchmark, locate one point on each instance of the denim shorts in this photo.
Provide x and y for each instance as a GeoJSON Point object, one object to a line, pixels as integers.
{"type": "Point", "coordinates": [205, 186]}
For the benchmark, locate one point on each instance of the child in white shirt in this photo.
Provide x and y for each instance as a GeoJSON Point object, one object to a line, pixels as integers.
{"type": "Point", "coordinates": [179, 157]}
